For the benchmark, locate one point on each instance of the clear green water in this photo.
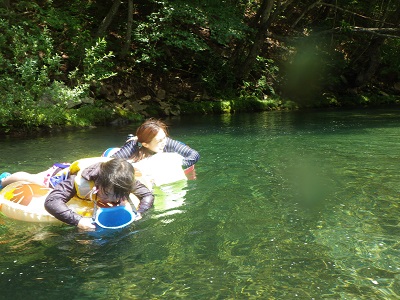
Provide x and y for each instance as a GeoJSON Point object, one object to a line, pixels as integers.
{"type": "Point", "coordinates": [286, 205]}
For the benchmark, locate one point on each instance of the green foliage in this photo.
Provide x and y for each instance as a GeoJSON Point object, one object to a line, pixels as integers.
{"type": "Point", "coordinates": [216, 75]}
{"type": "Point", "coordinates": [97, 65]}
{"type": "Point", "coordinates": [390, 69]}
{"type": "Point", "coordinates": [168, 25]}
{"type": "Point", "coordinates": [266, 71]}
{"type": "Point", "coordinates": [33, 60]}
{"type": "Point", "coordinates": [206, 107]}
{"type": "Point", "coordinates": [178, 34]}
{"type": "Point", "coordinates": [235, 105]}
{"type": "Point", "coordinates": [253, 103]}
{"type": "Point", "coordinates": [30, 62]}
{"type": "Point", "coordinates": [30, 117]}
{"type": "Point", "coordinates": [62, 96]}
{"type": "Point", "coordinates": [188, 36]}
{"type": "Point", "coordinates": [344, 26]}
{"type": "Point", "coordinates": [91, 114]}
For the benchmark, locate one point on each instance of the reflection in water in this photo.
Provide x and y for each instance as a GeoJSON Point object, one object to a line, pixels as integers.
{"type": "Point", "coordinates": [286, 205]}
{"type": "Point", "coordinates": [169, 198]}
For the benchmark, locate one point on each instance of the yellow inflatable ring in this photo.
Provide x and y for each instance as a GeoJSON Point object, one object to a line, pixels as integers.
{"type": "Point", "coordinates": [25, 201]}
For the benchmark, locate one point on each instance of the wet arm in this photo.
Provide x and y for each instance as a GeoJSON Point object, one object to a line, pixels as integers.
{"type": "Point", "coordinates": [144, 195]}
{"type": "Point", "coordinates": [56, 202]}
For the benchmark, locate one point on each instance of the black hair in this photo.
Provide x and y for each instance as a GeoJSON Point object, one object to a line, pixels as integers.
{"type": "Point", "coordinates": [118, 175]}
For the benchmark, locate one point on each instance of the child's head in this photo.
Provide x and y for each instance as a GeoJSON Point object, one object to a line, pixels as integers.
{"type": "Point", "coordinates": [116, 180]}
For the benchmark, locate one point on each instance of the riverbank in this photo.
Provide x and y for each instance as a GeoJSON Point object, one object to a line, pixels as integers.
{"type": "Point", "coordinates": [85, 115]}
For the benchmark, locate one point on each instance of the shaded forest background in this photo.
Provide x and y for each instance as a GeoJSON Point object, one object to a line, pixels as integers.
{"type": "Point", "coordinates": [82, 63]}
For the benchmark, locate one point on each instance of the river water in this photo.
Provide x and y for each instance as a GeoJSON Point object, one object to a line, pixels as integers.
{"type": "Point", "coordinates": [286, 205]}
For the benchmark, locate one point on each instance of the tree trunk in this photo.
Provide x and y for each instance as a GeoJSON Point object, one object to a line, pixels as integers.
{"type": "Point", "coordinates": [128, 35]}
{"type": "Point", "coordinates": [243, 69]}
{"type": "Point", "coordinates": [107, 20]}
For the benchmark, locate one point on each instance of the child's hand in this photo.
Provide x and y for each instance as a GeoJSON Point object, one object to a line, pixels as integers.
{"type": "Point", "coordinates": [86, 224]}
{"type": "Point", "coordinates": [138, 216]}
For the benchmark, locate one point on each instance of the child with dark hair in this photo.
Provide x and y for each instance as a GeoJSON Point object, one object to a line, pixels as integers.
{"type": "Point", "coordinates": [107, 182]}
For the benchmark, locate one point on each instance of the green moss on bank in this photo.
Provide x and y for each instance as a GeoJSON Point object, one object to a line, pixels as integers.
{"type": "Point", "coordinates": [243, 104]}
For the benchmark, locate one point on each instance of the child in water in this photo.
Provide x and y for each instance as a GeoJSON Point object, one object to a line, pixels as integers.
{"type": "Point", "coordinates": [107, 183]}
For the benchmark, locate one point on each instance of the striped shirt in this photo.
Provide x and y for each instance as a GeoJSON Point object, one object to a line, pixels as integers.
{"type": "Point", "coordinates": [190, 156]}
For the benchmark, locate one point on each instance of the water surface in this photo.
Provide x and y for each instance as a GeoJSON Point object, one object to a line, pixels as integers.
{"type": "Point", "coordinates": [286, 205]}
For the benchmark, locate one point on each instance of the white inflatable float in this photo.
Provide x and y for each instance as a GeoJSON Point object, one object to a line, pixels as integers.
{"type": "Point", "coordinates": [161, 168]}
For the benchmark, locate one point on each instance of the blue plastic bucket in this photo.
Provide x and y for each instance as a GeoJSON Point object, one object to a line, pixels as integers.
{"type": "Point", "coordinates": [114, 217]}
